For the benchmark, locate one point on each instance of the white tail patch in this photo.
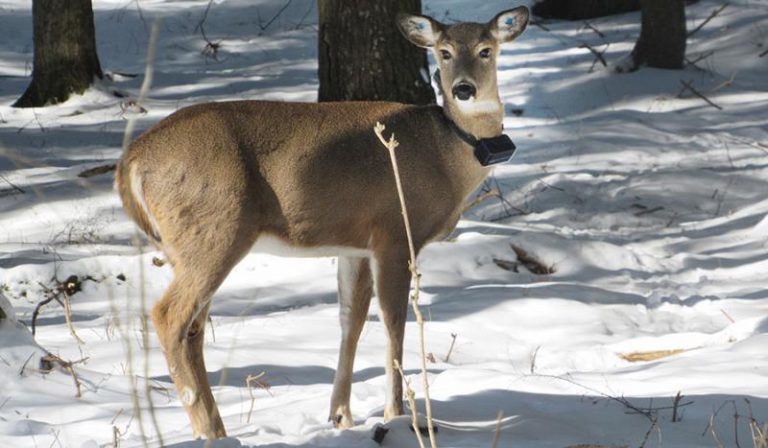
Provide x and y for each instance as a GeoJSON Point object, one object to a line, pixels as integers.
{"type": "Point", "coordinates": [137, 190]}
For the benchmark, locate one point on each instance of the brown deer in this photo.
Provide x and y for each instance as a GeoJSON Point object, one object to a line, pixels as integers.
{"type": "Point", "coordinates": [213, 181]}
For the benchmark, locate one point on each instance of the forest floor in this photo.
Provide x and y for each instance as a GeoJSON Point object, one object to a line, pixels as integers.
{"type": "Point", "coordinates": [646, 203]}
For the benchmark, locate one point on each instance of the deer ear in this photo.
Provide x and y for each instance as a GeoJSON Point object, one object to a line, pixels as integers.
{"type": "Point", "coordinates": [422, 31]}
{"type": "Point", "coordinates": [507, 25]}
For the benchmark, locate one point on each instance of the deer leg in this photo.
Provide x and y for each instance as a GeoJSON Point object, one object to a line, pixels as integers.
{"type": "Point", "coordinates": [355, 288]}
{"type": "Point", "coordinates": [179, 319]}
{"type": "Point", "coordinates": [393, 281]}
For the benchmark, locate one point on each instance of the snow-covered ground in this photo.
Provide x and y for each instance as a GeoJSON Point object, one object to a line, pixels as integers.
{"type": "Point", "coordinates": [650, 208]}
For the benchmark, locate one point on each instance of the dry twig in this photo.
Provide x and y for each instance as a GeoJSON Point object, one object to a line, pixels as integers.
{"type": "Point", "coordinates": [598, 55]}
{"type": "Point", "coordinates": [13, 186]}
{"type": "Point", "coordinates": [60, 292]}
{"type": "Point", "coordinates": [95, 171]}
{"type": "Point", "coordinates": [711, 16]}
{"type": "Point", "coordinates": [211, 48]}
{"type": "Point", "coordinates": [250, 380]}
{"type": "Point", "coordinates": [701, 57]}
{"type": "Point", "coordinates": [391, 144]}
{"type": "Point", "coordinates": [46, 365]}
{"type": "Point", "coordinates": [497, 433]}
{"type": "Point", "coordinates": [450, 349]}
{"type": "Point", "coordinates": [690, 88]}
{"type": "Point", "coordinates": [675, 407]}
{"type": "Point", "coordinates": [532, 264]}
{"type": "Point", "coordinates": [591, 27]}
{"type": "Point", "coordinates": [648, 433]}
{"type": "Point", "coordinates": [269, 22]}
{"type": "Point", "coordinates": [410, 396]}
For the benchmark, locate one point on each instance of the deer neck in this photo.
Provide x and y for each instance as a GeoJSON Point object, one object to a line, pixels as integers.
{"type": "Point", "coordinates": [478, 118]}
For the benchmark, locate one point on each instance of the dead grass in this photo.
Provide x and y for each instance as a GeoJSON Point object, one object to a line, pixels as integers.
{"type": "Point", "coordinates": [650, 355]}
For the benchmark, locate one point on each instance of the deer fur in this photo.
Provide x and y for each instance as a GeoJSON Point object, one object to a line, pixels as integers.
{"type": "Point", "coordinates": [212, 181]}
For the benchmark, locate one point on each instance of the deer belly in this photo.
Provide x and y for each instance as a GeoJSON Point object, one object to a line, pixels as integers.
{"type": "Point", "coordinates": [272, 245]}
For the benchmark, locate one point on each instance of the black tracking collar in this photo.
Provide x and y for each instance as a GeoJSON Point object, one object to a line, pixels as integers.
{"type": "Point", "coordinates": [488, 151]}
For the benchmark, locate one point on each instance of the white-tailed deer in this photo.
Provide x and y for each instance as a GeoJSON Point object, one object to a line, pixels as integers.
{"type": "Point", "coordinates": [212, 181]}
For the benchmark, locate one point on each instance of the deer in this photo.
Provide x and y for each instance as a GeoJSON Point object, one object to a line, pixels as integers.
{"type": "Point", "coordinates": [212, 182]}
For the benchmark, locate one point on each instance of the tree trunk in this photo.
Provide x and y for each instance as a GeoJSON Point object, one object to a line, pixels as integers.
{"type": "Point", "coordinates": [363, 56]}
{"type": "Point", "coordinates": [662, 36]}
{"type": "Point", "coordinates": [65, 59]}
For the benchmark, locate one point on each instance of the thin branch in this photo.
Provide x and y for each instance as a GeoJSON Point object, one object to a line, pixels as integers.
{"type": "Point", "coordinates": [415, 275]}
{"type": "Point", "coordinates": [591, 27]}
{"type": "Point", "coordinates": [598, 54]}
{"type": "Point", "coordinates": [306, 14]}
{"type": "Point", "coordinates": [264, 27]}
{"type": "Point", "coordinates": [211, 48]}
{"type": "Point", "coordinates": [649, 211]}
{"type": "Point", "coordinates": [12, 185]}
{"type": "Point", "coordinates": [690, 88]}
{"type": "Point", "coordinates": [497, 433]}
{"type": "Point", "coordinates": [68, 319]}
{"type": "Point", "coordinates": [36, 311]}
{"type": "Point", "coordinates": [727, 83]}
{"type": "Point", "coordinates": [450, 349]}
{"type": "Point", "coordinates": [539, 24]}
{"type": "Point", "coordinates": [621, 400]}
{"type": "Point", "coordinates": [50, 358]}
{"type": "Point", "coordinates": [711, 16]}
{"type": "Point", "coordinates": [648, 433]}
{"type": "Point", "coordinates": [410, 396]}
{"type": "Point", "coordinates": [250, 380]}
{"type": "Point", "coordinates": [675, 406]}
{"type": "Point", "coordinates": [95, 171]}
{"type": "Point", "coordinates": [701, 57]}
{"type": "Point", "coordinates": [61, 290]}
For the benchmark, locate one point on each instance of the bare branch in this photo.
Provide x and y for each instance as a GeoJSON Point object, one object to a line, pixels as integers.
{"type": "Point", "coordinates": [690, 88]}
{"type": "Point", "coordinates": [264, 27]}
{"type": "Point", "coordinates": [598, 54]}
{"type": "Point", "coordinates": [711, 16]}
{"type": "Point", "coordinates": [591, 27]}
{"type": "Point", "coordinates": [415, 276]}
{"type": "Point", "coordinates": [450, 349]}
{"type": "Point", "coordinates": [497, 433]}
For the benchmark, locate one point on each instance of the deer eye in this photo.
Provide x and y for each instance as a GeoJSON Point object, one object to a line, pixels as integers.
{"type": "Point", "coordinates": [445, 54]}
{"type": "Point", "coordinates": [485, 53]}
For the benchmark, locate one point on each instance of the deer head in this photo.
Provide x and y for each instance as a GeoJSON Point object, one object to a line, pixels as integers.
{"type": "Point", "coordinates": [466, 54]}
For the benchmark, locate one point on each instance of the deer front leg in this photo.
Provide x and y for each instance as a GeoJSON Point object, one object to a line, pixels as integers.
{"type": "Point", "coordinates": [179, 319]}
{"type": "Point", "coordinates": [355, 288]}
{"type": "Point", "coordinates": [393, 280]}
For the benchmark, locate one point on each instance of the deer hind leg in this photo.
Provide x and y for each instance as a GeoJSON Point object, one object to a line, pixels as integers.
{"type": "Point", "coordinates": [180, 317]}
{"type": "Point", "coordinates": [393, 280]}
{"type": "Point", "coordinates": [355, 288]}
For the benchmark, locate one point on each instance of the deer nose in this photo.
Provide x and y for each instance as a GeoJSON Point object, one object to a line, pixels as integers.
{"type": "Point", "coordinates": [464, 91]}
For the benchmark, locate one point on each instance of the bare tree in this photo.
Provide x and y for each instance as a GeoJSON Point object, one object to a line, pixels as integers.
{"type": "Point", "coordinates": [363, 56]}
{"type": "Point", "coordinates": [65, 59]}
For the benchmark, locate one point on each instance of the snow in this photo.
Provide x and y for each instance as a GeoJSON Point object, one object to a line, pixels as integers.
{"type": "Point", "coordinates": [650, 208]}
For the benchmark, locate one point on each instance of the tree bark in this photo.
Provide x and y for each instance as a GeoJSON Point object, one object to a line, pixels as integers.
{"type": "Point", "coordinates": [662, 36]}
{"type": "Point", "coordinates": [363, 56]}
{"type": "Point", "coordinates": [65, 59]}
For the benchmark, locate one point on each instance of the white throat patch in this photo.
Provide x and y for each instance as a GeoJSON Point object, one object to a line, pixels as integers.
{"type": "Point", "coordinates": [474, 107]}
